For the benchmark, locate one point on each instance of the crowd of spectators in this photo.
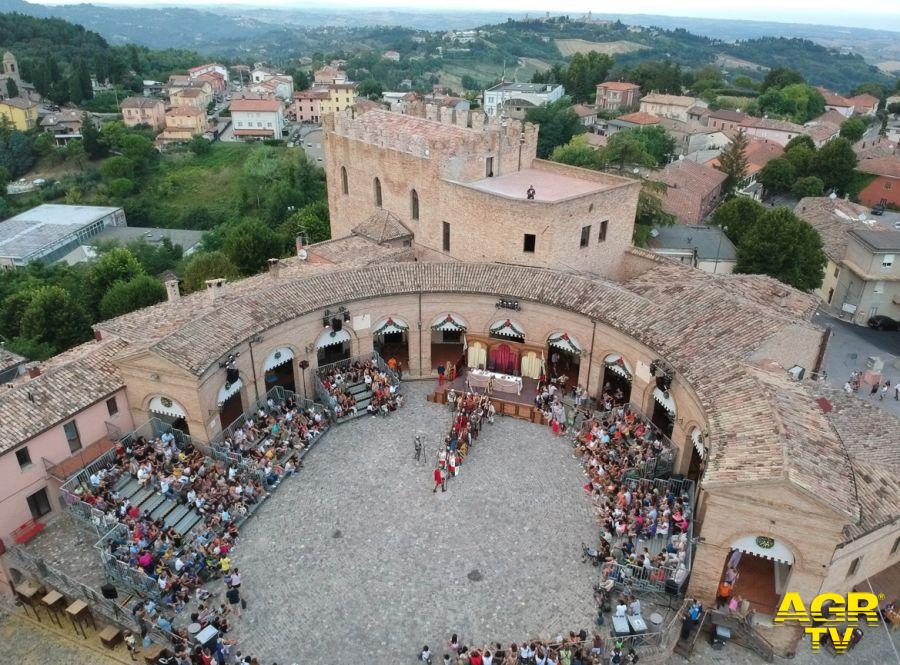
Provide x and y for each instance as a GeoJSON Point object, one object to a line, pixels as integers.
{"type": "Point", "coordinates": [338, 381]}
{"type": "Point", "coordinates": [573, 649]}
{"type": "Point", "coordinates": [643, 524]}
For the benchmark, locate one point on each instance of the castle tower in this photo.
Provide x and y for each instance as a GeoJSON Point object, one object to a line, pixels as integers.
{"type": "Point", "coordinates": [10, 67]}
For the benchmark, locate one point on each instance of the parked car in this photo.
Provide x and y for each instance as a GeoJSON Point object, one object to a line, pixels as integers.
{"type": "Point", "coordinates": [882, 322]}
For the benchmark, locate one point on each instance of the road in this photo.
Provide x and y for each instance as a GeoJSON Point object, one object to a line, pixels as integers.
{"type": "Point", "coordinates": [849, 347]}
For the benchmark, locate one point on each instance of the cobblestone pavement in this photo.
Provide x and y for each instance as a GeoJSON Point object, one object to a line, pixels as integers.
{"type": "Point", "coordinates": [357, 556]}
{"type": "Point", "coordinates": [24, 642]}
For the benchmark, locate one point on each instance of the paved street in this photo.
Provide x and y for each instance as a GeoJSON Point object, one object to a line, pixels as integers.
{"type": "Point", "coordinates": [848, 349]}
{"type": "Point", "coordinates": [356, 555]}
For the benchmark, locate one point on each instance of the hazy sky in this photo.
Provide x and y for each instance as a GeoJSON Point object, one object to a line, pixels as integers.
{"type": "Point", "coordinates": [870, 13]}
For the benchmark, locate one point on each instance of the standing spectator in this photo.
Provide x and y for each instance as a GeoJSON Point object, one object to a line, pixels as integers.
{"type": "Point", "coordinates": [130, 644]}
{"type": "Point", "coordinates": [234, 599]}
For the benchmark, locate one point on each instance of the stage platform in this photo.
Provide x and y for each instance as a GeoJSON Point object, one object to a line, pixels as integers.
{"type": "Point", "coordinates": [507, 404]}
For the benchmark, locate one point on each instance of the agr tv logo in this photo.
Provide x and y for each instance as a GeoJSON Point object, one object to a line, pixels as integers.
{"type": "Point", "coordinates": [827, 615]}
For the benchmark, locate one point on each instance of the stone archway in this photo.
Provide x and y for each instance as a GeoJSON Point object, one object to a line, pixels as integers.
{"type": "Point", "coordinates": [757, 570]}
{"type": "Point", "coordinates": [169, 411]}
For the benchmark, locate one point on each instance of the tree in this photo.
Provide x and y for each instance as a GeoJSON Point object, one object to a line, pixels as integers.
{"type": "Point", "coordinates": [124, 297]}
{"type": "Point", "coordinates": [207, 265]}
{"type": "Point", "coordinates": [801, 140]}
{"type": "Point", "coordinates": [311, 220]}
{"type": "Point", "coordinates": [584, 72]}
{"type": "Point", "coordinates": [12, 90]}
{"type": "Point", "coordinates": [370, 88]}
{"type": "Point", "coordinates": [737, 216]}
{"type": "Point", "coordinates": [869, 88]}
{"type": "Point", "coordinates": [116, 265]}
{"type": "Point", "coordinates": [558, 124]}
{"type": "Point", "coordinates": [199, 145]}
{"type": "Point", "coordinates": [785, 247]}
{"type": "Point", "coordinates": [119, 188]}
{"type": "Point", "coordinates": [55, 318]}
{"type": "Point", "coordinates": [16, 153]}
{"type": "Point", "coordinates": [733, 163]}
{"type": "Point", "coordinates": [139, 149]}
{"type": "Point", "coordinates": [798, 102]}
{"type": "Point", "coordinates": [779, 78]}
{"type": "Point", "coordinates": [577, 152]}
{"type": "Point", "coordinates": [90, 137]}
{"type": "Point", "coordinates": [834, 163]}
{"type": "Point", "coordinates": [853, 129]}
{"type": "Point", "coordinates": [117, 166]}
{"type": "Point", "coordinates": [250, 244]}
{"type": "Point", "coordinates": [626, 148]}
{"type": "Point", "coordinates": [658, 143]}
{"type": "Point", "coordinates": [649, 213]}
{"type": "Point", "coordinates": [777, 176]}
{"type": "Point", "coordinates": [808, 186]}
{"type": "Point", "coordinates": [800, 157]}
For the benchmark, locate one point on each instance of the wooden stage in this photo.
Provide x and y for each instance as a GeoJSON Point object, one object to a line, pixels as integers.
{"type": "Point", "coordinates": [507, 404]}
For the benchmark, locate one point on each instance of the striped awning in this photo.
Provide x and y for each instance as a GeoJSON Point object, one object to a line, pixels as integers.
{"type": "Point", "coordinates": [392, 324]}
{"type": "Point", "coordinates": [564, 342]}
{"type": "Point", "coordinates": [229, 389]}
{"type": "Point", "coordinates": [449, 323]}
{"type": "Point", "coordinates": [751, 545]}
{"type": "Point", "coordinates": [616, 363]}
{"type": "Point", "coordinates": [697, 438]}
{"type": "Point", "coordinates": [277, 358]}
{"type": "Point", "coordinates": [167, 407]}
{"type": "Point", "coordinates": [507, 328]}
{"type": "Point", "coordinates": [330, 338]}
{"type": "Point", "coordinates": [664, 400]}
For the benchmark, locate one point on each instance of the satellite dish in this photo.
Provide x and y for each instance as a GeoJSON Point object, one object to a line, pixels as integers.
{"type": "Point", "coordinates": [302, 254]}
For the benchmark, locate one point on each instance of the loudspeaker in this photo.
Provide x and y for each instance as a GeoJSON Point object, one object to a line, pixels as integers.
{"type": "Point", "coordinates": [663, 382]}
{"type": "Point", "coordinates": [672, 587]}
{"type": "Point", "coordinates": [336, 324]}
{"type": "Point", "coordinates": [231, 375]}
{"type": "Point", "coordinates": [109, 591]}
{"type": "Point", "coordinates": [304, 364]}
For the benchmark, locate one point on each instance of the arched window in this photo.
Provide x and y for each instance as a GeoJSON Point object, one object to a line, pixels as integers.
{"type": "Point", "coordinates": [344, 187]}
{"type": "Point", "coordinates": [414, 204]}
{"type": "Point", "coordinates": [377, 185]}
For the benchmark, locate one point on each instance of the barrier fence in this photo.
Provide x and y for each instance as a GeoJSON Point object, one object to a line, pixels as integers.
{"type": "Point", "coordinates": [322, 392]}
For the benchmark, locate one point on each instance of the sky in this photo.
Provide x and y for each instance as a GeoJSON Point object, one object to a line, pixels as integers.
{"type": "Point", "coordinates": [883, 14]}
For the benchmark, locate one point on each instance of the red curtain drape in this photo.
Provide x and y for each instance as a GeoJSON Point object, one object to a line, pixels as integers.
{"type": "Point", "coordinates": [504, 359]}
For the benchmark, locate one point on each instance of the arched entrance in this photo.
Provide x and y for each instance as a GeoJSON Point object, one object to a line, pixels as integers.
{"type": "Point", "coordinates": [448, 340]}
{"type": "Point", "coordinates": [229, 400]}
{"type": "Point", "coordinates": [564, 353]}
{"type": "Point", "coordinates": [506, 329]}
{"type": "Point", "coordinates": [663, 411]}
{"type": "Point", "coordinates": [506, 356]}
{"type": "Point", "coordinates": [390, 338]}
{"type": "Point", "coordinates": [760, 567]}
{"type": "Point", "coordinates": [279, 369]}
{"type": "Point", "coordinates": [332, 346]}
{"type": "Point", "coordinates": [698, 454]}
{"type": "Point", "coordinates": [169, 411]}
{"type": "Point", "coordinates": [617, 378]}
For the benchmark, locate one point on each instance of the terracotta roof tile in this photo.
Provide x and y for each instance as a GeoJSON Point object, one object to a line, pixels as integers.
{"type": "Point", "coordinates": [886, 166]}
{"type": "Point", "coordinates": [619, 85]}
{"type": "Point", "coordinates": [383, 226]}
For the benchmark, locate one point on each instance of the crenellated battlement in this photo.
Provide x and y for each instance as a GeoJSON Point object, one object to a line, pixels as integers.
{"type": "Point", "coordinates": [429, 131]}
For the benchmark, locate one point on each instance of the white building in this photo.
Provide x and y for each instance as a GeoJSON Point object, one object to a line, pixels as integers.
{"type": "Point", "coordinates": [50, 231]}
{"type": "Point", "coordinates": [257, 118]}
{"type": "Point", "coordinates": [532, 94]}
{"type": "Point", "coordinates": [211, 67]}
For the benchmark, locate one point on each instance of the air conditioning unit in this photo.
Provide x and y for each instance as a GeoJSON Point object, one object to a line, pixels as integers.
{"type": "Point", "coordinates": [874, 363]}
{"type": "Point", "coordinates": [797, 373]}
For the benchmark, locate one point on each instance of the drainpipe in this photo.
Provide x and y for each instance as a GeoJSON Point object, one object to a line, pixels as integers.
{"type": "Point", "coordinates": [253, 366]}
{"type": "Point", "coordinates": [421, 371]}
{"type": "Point", "coordinates": [591, 359]}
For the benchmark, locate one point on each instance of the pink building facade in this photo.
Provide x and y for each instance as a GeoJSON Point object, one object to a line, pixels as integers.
{"type": "Point", "coordinates": [29, 483]}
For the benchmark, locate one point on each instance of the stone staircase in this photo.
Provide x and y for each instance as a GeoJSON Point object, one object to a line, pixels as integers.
{"type": "Point", "coordinates": [157, 505]}
{"type": "Point", "coordinates": [363, 396]}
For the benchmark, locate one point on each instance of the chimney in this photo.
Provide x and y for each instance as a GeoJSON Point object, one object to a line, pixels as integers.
{"type": "Point", "coordinates": [274, 267]}
{"type": "Point", "coordinates": [215, 287]}
{"type": "Point", "coordinates": [172, 290]}
{"type": "Point", "coordinates": [34, 372]}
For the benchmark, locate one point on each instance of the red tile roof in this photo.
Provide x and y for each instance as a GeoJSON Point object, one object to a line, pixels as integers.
{"type": "Point", "coordinates": [639, 118]}
{"type": "Point", "coordinates": [618, 85]}
{"type": "Point", "coordinates": [258, 105]}
{"type": "Point", "coordinates": [689, 184]}
{"type": "Point", "coordinates": [834, 99]}
{"type": "Point", "coordinates": [886, 166]}
{"type": "Point", "coordinates": [583, 111]}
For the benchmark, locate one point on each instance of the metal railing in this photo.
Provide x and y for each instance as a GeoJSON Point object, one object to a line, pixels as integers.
{"type": "Point", "coordinates": [120, 572]}
{"type": "Point", "coordinates": [277, 394]}
{"type": "Point", "coordinates": [107, 610]}
{"type": "Point", "coordinates": [322, 392]}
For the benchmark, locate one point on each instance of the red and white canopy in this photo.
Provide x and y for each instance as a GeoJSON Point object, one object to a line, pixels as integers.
{"type": "Point", "coordinates": [507, 328]}
{"type": "Point", "coordinates": [564, 342]}
{"type": "Point", "coordinates": [449, 323]}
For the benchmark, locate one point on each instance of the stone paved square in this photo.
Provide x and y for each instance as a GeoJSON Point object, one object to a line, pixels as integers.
{"type": "Point", "coordinates": [356, 560]}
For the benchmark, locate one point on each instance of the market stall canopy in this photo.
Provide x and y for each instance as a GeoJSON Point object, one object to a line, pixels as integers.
{"type": "Point", "coordinates": [331, 337]}
{"type": "Point", "coordinates": [277, 358]}
{"type": "Point", "coordinates": [617, 364]}
{"type": "Point", "coordinates": [229, 389]}
{"type": "Point", "coordinates": [564, 342]}
{"type": "Point", "coordinates": [665, 400]}
{"type": "Point", "coordinates": [449, 323]}
{"type": "Point", "coordinates": [507, 328]}
{"type": "Point", "coordinates": [167, 407]}
{"type": "Point", "coordinates": [391, 325]}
